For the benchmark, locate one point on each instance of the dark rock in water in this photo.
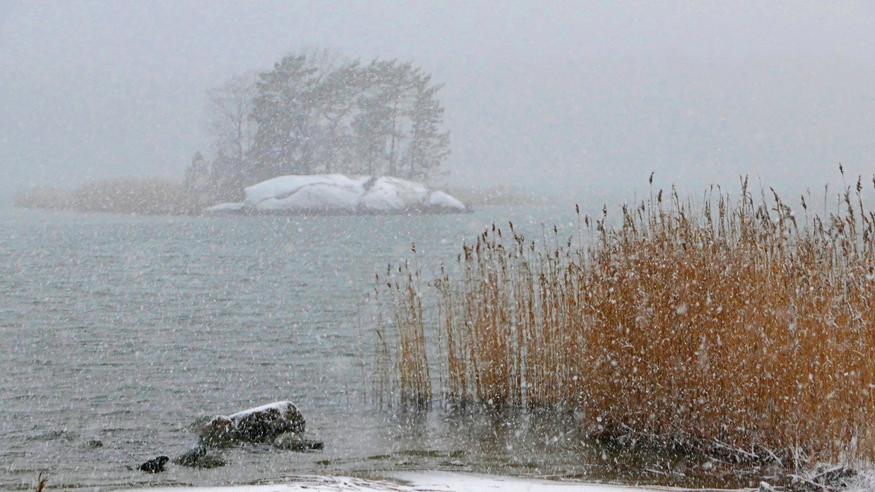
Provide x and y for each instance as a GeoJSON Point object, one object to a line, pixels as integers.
{"type": "Point", "coordinates": [310, 445]}
{"type": "Point", "coordinates": [289, 440]}
{"type": "Point", "coordinates": [155, 465]}
{"type": "Point", "coordinates": [189, 457]}
{"type": "Point", "coordinates": [257, 425]}
{"type": "Point", "coordinates": [199, 457]}
{"type": "Point", "coordinates": [294, 442]}
{"type": "Point", "coordinates": [219, 432]}
{"type": "Point", "coordinates": [210, 461]}
{"type": "Point", "coordinates": [94, 444]}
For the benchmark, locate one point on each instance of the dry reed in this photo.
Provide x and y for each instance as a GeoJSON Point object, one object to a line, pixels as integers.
{"type": "Point", "coordinates": [42, 482]}
{"type": "Point", "coordinates": [737, 323]}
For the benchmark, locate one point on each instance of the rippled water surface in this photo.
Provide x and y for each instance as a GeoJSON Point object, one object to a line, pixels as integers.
{"type": "Point", "coordinates": [126, 329]}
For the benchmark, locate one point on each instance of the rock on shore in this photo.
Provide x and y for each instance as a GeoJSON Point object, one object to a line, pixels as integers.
{"type": "Point", "coordinates": [340, 194]}
{"type": "Point", "coordinates": [256, 425]}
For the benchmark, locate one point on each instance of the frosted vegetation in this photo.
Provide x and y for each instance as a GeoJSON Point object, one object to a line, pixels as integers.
{"type": "Point", "coordinates": [736, 327]}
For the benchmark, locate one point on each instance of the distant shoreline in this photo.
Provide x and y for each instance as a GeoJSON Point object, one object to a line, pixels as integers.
{"type": "Point", "coordinates": [167, 197]}
{"type": "Point", "coordinates": [140, 196]}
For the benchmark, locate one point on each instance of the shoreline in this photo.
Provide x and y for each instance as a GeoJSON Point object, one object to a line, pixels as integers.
{"type": "Point", "coordinates": [421, 481]}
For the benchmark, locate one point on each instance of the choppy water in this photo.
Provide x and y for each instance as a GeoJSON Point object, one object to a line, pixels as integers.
{"type": "Point", "coordinates": [127, 329]}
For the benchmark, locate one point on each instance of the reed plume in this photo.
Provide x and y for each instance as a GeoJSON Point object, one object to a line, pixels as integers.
{"type": "Point", "coordinates": [735, 322]}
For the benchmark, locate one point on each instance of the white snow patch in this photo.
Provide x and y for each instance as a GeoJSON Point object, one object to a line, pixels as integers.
{"type": "Point", "coordinates": [431, 481]}
{"type": "Point", "coordinates": [282, 406]}
{"type": "Point", "coordinates": [473, 482]}
{"type": "Point", "coordinates": [225, 207]}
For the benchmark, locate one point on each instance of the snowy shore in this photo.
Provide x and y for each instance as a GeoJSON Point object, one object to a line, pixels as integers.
{"type": "Point", "coordinates": [425, 481]}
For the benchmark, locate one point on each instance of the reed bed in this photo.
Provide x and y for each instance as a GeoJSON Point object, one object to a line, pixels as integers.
{"type": "Point", "coordinates": [736, 322]}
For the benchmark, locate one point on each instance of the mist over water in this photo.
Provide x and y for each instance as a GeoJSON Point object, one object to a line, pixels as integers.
{"type": "Point", "coordinates": [124, 329]}
{"type": "Point", "coordinates": [563, 100]}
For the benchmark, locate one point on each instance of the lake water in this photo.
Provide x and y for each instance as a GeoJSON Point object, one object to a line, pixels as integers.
{"type": "Point", "coordinates": [127, 329]}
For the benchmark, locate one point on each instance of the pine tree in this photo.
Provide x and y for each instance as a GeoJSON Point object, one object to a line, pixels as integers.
{"type": "Point", "coordinates": [282, 110]}
{"type": "Point", "coordinates": [429, 143]}
{"type": "Point", "coordinates": [318, 113]}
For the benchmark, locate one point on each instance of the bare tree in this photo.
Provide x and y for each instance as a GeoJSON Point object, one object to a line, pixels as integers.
{"type": "Point", "coordinates": [229, 109]}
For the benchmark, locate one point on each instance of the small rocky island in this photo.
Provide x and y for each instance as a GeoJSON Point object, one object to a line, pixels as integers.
{"type": "Point", "coordinates": [340, 194]}
{"type": "Point", "coordinates": [278, 137]}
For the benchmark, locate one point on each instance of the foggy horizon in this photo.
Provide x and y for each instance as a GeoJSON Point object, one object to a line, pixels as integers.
{"type": "Point", "coordinates": [566, 100]}
{"type": "Point", "coordinates": [566, 246]}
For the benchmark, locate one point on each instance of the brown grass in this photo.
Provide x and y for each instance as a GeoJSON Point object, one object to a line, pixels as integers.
{"type": "Point", "coordinates": [736, 323]}
{"type": "Point", "coordinates": [143, 196]}
{"type": "Point", "coordinates": [139, 196]}
{"type": "Point", "coordinates": [46, 198]}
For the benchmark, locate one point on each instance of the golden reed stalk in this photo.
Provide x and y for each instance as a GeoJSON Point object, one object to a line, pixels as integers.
{"type": "Point", "coordinates": [739, 323]}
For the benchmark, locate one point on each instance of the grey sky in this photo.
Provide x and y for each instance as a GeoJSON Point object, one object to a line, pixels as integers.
{"type": "Point", "coordinates": [567, 96]}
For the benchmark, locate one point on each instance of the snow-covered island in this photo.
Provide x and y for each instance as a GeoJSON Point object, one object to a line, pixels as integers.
{"type": "Point", "coordinates": [340, 194]}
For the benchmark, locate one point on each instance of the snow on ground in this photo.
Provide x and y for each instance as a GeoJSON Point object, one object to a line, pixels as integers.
{"type": "Point", "coordinates": [425, 481]}
{"type": "Point", "coordinates": [472, 482]}
{"type": "Point", "coordinates": [340, 193]}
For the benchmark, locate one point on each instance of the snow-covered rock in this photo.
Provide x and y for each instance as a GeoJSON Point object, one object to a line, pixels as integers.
{"type": "Point", "coordinates": [260, 424]}
{"type": "Point", "coordinates": [337, 193]}
{"type": "Point", "coordinates": [322, 192]}
{"type": "Point", "coordinates": [387, 193]}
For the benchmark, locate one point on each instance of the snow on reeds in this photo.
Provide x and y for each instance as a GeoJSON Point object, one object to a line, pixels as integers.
{"type": "Point", "coordinates": [737, 322]}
